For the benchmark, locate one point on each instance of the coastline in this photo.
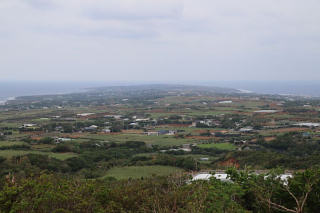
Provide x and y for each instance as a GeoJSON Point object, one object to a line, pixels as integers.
{"type": "Point", "coordinates": [3, 101]}
{"type": "Point", "coordinates": [10, 91]}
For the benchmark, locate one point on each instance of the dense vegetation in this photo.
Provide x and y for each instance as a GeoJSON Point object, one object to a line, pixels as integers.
{"type": "Point", "coordinates": [246, 193]}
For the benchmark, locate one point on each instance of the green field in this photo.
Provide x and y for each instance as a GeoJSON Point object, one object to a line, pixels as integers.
{"type": "Point", "coordinates": [11, 143]}
{"type": "Point", "coordinates": [162, 140]}
{"type": "Point", "coordinates": [59, 156]}
{"type": "Point", "coordinates": [141, 171]}
{"type": "Point", "coordinates": [222, 146]}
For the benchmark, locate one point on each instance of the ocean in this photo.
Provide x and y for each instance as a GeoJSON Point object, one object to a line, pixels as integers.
{"type": "Point", "coordinates": [297, 88]}
{"type": "Point", "coordinates": [9, 90]}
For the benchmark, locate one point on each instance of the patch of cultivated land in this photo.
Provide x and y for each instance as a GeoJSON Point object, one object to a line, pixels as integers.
{"type": "Point", "coordinates": [141, 171]}
{"type": "Point", "coordinates": [12, 153]}
{"type": "Point", "coordinates": [222, 146]}
{"type": "Point", "coordinates": [162, 140]}
{"type": "Point", "coordinates": [11, 143]}
{"type": "Point", "coordinates": [282, 130]}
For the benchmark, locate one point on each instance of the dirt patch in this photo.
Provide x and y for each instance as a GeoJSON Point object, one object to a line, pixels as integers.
{"type": "Point", "coordinates": [269, 139]}
{"type": "Point", "coordinates": [132, 131]}
{"type": "Point", "coordinates": [291, 129]}
{"type": "Point", "coordinates": [36, 138]}
{"type": "Point", "coordinates": [230, 163]}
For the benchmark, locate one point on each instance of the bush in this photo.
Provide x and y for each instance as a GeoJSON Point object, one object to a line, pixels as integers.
{"type": "Point", "coordinates": [76, 163]}
{"type": "Point", "coordinates": [46, 163]}
{"type": "Point", "coordinates": [2, 159]}
{"type": "Point", "coordinates": [16, 147]}
{"type": "Point", "coordinates": [46, 140]}
{"type": "Point", "coordinates": [62, 148]}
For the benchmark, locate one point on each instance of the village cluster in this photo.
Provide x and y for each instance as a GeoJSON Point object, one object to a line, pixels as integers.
{"type": "Point", "coordinates": [196, 129]}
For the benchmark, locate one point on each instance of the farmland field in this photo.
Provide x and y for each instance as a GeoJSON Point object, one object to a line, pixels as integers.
{"type": "Point", "coordinates": [162, 140]}
{"type": "Point", "coordinates": [222, 146]}
{"type": "Point", "coordinates": [11, 143]}
{"type": "Point", "coordinates": [59, 156]}
{"type": "Point", "coordinates": [141, 171]}
{"type": "Point", "coordinates": [113, 139]}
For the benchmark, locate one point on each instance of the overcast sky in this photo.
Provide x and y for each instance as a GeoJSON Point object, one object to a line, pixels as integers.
{"type": "Point", "coordinates": [159, 40]}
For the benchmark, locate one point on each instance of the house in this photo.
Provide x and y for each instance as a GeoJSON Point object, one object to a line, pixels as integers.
{"type": "Point", "coordinates": [85, 114]}
{"type": "Point", "coordinates": [180, 149]}
{"type": "Point", "coordinates": [204, 159]}
{"type": "Point", "coordinates": [161, 132]}
{"type": "Point", "coordinates": [224, 177]}
{"type": "Point", "coordinates": [91, 128]}
{"type": "Point", "coordinates": [58, 140]}
{"type": "Point", "coordinates": [59, 128]}
{"type": "Point", "coordinates": [152, 133]}
{"type": "Point", "coordinates": [225, 102]}
{"type": "Point", "coordinates": [193, 124]}
{"type": "Point", "coordinates": [166, 132]}
{"type": "Point", "coordinates": [205, 122]}
{"type": "Point", "coordinates": [142, 119]}
{"type": "Point", "coordinates": [206, 176]}
{"type": "Point", "coordinates": [282, 177]}
{"type": "Point", "coordinates": [246, 129]}
{"type": "Point", "coordinates": [106, 130]}
{"type": "Point", "coordinates": [285, 177]}
{"type": "Point", "coordinates": [239, 143]}
{"type": "Point", "coordinates": [113, 116]}
{"type": "Point", "coordinates": [133, 124]}
{"type": "Point", "coordinates": [186, 148]}
{"type": "Point", "coordinates": [28, 125]}
{"type": "Point", "coordinates": [266, 111]}
{"type": "Point", "coordinates": [68, 119]}
{"type": "Point", "coordinates": [172, 132]}
{"type": "Point", "coordinates": [306, 124]}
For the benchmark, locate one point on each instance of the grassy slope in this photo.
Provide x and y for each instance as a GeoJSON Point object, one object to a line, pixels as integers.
{"type": "Point", "coordinates": [222, 146]}
{"type": "Point", "coordinates": [141, 171]}
{"type": "Point", "coordinates": [59, 156]}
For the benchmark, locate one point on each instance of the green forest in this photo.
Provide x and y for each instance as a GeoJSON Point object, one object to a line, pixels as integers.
{"type": "Point", "coordinates": [246, 192]}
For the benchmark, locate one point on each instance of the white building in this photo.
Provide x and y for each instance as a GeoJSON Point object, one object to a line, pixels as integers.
{"type": "Point", "coordinates": [308, 124]}
{"type": "Point", "coordinates": [85, 114]}
{"type": "Point", "coordinates": [206, 176]}
{"type": "Point", "coordinates": [106, 130]}
{"type": "Point", "coordinates": [28, 125]}
{"type": "Point", "coordinates": [225, 102]}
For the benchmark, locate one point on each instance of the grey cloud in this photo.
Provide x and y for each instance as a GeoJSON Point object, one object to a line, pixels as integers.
{"type": "Point", "coordinates": [101, 32]}
{"type": "Point", "coordinates": [152, 39]}
{"type": "Point", "coordinates": [42, 4]}
{"type": "Point", "coordinates": [100, 14]}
